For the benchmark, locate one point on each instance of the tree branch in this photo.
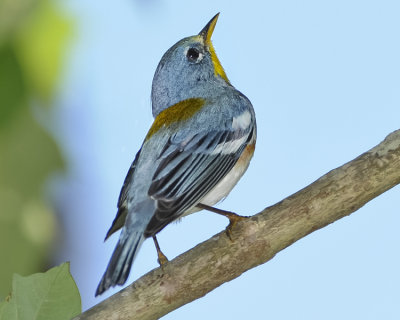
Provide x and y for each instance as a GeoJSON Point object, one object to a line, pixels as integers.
{"type": "Point", "coordinates": [257, 239]}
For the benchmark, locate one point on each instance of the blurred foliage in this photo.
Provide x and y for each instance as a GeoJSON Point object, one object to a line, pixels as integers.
{"type": "Point", "coordinates": [33, 38]}
{"type": "Point", "coordinates": [51, 295]}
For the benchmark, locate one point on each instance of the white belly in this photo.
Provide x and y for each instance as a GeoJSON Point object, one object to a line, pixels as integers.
{"type": "Point", "coordinates": [222, 189]}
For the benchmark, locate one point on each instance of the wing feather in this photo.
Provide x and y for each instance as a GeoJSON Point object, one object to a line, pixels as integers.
{"type": "Point", "coordinates": [119, 220]}
{"type": "Point", "coordinates": [190, 168]}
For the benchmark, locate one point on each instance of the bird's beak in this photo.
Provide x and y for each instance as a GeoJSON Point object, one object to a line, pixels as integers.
{"type": "Point", "coordinates": [207, 31]}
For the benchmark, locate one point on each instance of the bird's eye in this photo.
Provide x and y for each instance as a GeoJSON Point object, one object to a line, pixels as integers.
{"type": "Point", "coordinates": [193, 55]}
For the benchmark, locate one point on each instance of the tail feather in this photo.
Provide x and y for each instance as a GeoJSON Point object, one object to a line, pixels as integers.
{"type": "Point", "coordinates": [130, 240]}
{"type": "Point", "coordinates": [121, 261]}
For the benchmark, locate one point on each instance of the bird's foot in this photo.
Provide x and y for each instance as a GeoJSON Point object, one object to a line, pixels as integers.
{"type": "Point", "coordinates": [233, 220]}
{"type": "Point", "coordinates": [162, 259]}
{"type": "Point", "coordinates": [233, 217]}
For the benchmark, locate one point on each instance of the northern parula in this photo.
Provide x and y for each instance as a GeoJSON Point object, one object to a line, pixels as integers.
{"type": "Point", "coordinates": [198, 147]}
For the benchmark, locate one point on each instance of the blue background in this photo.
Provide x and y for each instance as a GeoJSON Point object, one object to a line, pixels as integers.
{"type": "Point", "coordinates": [324, 79]}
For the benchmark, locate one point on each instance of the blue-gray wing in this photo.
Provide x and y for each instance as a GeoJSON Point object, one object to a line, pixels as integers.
{"type": "Point", "coordinates": [190, 168]}
{"type": "Point", "coordinates": [120, 218]}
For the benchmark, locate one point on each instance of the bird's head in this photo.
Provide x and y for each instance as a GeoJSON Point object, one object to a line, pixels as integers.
{"type": "Point", "coordinates": [186, 69]}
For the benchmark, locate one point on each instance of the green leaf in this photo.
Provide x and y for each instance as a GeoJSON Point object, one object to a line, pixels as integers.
{"type": "Point", "coordinates": [46, 296]}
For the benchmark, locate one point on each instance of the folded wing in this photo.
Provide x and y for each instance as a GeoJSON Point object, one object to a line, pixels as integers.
{"type": "Point", "coordinates": [189, 168]}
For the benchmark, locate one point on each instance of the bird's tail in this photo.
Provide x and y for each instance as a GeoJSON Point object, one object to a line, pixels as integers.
{"type": "Point", "coordinates": [131, 238]}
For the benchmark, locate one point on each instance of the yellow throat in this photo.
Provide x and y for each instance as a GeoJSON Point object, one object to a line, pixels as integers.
{"type": "Point", "coordinates": [205, 36]}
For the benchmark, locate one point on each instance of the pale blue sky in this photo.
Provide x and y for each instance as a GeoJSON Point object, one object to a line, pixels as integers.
{"type": "Point", "coordinates": [324, 79]}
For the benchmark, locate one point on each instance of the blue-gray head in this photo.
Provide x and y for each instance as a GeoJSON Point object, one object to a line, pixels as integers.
{"type": "Point", "coordinates": [188, 69]}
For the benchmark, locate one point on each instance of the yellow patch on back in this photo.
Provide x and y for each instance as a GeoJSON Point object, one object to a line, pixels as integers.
{"type": "Point", "coordinates": [180, 111]}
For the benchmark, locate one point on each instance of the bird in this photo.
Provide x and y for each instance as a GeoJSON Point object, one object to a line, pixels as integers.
{"type": "Point", "coordinates": [198, 147]}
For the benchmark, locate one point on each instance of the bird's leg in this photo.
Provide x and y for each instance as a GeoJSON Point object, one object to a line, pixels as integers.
{"type": "Point", "coordinates": [162, 259]}
{"type": "Point", "coordinates": [233, 217]}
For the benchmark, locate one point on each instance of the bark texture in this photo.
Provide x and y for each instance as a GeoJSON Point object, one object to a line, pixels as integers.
{"type": "Point", "coordinates": [257, 239]}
